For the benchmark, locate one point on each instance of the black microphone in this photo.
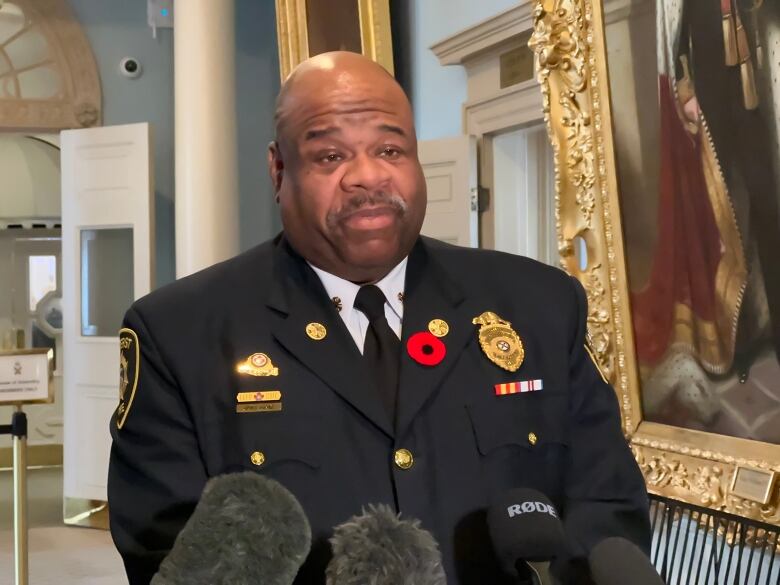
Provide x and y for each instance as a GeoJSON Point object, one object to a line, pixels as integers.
{"type": "Point", "coordinates": [379, 548]}
{"type": "Point", "coordinates": [616, 561]}
{"type": "Point", "coordinates": [246, 529]}
{"type": "Point", "coordinates": [526, 532]}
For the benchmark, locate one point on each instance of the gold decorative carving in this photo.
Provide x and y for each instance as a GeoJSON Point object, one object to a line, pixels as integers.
{"type": "Point", "coordinates": [565, 47]}
{"type": "Point", "coordinates": [706, 483]}
{"type": "Point", "coordinates": [293, 34]}
{"type": "Point", "coordinates": [80, 101]}
{"type": "Point", "coordinates": [571, 67]}
{"type": "Point", "coordinates": [599, 320]}
{"type": "Point", "coordinates": [700, 477]}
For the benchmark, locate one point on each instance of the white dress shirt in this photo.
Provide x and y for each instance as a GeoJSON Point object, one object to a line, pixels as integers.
{"type": "Point", "coordinates": [343, 293]}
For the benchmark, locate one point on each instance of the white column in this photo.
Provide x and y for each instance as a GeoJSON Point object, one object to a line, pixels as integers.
{"type": "Point", "coordinates": [206, 144]}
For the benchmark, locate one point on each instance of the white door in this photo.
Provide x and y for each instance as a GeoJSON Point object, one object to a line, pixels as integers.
{"type": "Point", "coordinates": [523, 194]}
{"type": "Point", "coordinates": [107, 260]}
{"type": "Point", "coordinates": [450, 167]}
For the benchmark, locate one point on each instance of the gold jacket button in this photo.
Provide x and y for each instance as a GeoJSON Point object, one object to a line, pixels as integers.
{"type": "Point", "coordinates": [257, 458]}
{"type": "Point", "coordinates": [403, 458]}
{"type": "Point", "coordinates": [532, 438]}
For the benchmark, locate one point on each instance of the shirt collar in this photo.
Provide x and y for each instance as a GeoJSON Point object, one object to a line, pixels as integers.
{"type": "Point", "coordinates": [345, 291]}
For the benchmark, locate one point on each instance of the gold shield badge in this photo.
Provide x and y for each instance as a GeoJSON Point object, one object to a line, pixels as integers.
{"type": "Point", "coordinates": [129, 366]}
{"type": "Point", "coordinates": [499, 341]}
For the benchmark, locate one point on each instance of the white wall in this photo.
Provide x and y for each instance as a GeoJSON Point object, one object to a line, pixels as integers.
{"type": "Point", "coordinates": [438, 92]}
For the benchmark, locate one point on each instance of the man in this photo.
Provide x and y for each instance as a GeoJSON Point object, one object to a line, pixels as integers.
{"type": "Point", "coordinates": [281, 361]}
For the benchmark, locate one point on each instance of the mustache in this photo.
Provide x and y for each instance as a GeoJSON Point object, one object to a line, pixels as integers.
{"type": "Point", "coordinates": [377, 198]}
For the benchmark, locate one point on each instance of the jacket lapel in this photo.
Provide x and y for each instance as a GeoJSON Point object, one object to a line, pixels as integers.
{"type": "Point", "coordinates": [298, 298]}
{"type": "Point", "coordinates": [430, 293]}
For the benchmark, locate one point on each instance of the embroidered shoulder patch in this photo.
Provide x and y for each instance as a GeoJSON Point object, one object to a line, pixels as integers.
{"type": "Point", "coordinates": [129, 366]}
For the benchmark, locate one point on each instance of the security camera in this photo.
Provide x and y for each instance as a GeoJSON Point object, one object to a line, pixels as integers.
{"type": "Point", "coordinates": [130, 67]}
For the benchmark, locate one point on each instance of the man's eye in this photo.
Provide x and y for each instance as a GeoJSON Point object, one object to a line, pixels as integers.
{"type": "Point", "coordinates": [390, 152]}
{"type": "Point", "coordinates": [331, 157]}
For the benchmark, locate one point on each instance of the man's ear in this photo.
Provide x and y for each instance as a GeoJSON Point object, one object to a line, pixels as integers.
{"type": "Point", "coordinates": [275, 167]}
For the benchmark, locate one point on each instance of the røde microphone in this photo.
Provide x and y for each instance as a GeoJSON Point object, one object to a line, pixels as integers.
{"type": "Point", "coordinates": [617, 561]}
{"type": "Point", "coordinates": [526, 531]}
{"type": "Point", "coordinates": [247, 529]}
{"type": "Point", "coordinates": [379, 548]}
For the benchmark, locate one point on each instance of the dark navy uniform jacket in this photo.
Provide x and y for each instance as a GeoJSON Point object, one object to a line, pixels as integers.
{"type": "Point", "coordinates": [332, 444]}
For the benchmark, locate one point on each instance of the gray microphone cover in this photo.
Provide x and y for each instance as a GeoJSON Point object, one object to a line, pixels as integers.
{"type": "Point", "coordinates": [617, 561]}
{"type": "Point", "coordinates": [246, 529]}
{"type": "Point", "coordinates": [379, 548]}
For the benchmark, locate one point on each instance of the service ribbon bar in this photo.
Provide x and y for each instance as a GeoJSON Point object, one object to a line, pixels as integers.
{"type": "Point", "coordinates": [515, 387]}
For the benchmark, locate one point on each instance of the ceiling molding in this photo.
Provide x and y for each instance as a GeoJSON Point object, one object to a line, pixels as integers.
{"type": "Point", "coordinates": [462, 46]}
{"type": "Point", "coordinates": [514, 106]}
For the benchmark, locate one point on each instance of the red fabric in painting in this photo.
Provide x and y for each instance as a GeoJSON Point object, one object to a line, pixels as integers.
{"type": "Point", "coordinates": [688, 250]}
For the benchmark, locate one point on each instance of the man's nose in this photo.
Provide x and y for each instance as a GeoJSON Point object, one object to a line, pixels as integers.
{"type": "Point", "coordinates": [365, 172]}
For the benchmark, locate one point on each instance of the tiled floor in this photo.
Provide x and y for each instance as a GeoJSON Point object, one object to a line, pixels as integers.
{"type": "Point", "coordinates": [62, 555]}
{"type": "Point", "coordinates": [59, 554]}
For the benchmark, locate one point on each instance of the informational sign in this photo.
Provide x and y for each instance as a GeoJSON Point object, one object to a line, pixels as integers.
{"type": "Point", "coordinates": [26, 376]}
{"type": "Point", "coordinates": [753, 484]}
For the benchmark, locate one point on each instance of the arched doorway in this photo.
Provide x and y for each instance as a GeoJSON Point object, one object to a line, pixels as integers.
{"type": "Point", "coordinates": [48, 82]}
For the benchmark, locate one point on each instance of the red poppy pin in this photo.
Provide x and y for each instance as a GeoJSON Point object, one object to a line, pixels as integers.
{"type": "Point", "coordinates": [426, 349]}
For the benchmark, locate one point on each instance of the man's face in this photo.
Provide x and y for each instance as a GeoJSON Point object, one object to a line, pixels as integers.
{"type": "Point", "coordinates": [350, 186]}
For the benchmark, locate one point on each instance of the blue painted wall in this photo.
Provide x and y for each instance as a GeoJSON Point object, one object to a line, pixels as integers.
{"type": "Point", "coordinates": [117, 29]}
{"type": "Point", "coordinates": [257, 77]}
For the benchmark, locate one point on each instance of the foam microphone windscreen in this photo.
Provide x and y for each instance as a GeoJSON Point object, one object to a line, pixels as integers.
{"type": "Point", "coordinates": [524, 525]}
{"type": "Point", "coordinates": [616, 561]}
{"type": "Point", "coordinates": [379, 548]}
{"type": "Point", "coordinates": [246, 530]}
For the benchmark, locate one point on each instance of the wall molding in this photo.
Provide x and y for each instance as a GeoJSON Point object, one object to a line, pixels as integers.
{"type": "Point", "coordinates": [514, 106]}
{"type": "Point", "coordinates": [464, 45]}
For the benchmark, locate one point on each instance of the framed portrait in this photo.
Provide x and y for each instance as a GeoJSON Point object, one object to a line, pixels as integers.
{"type": "Point", "coordinates": [665, 120]}
{"type": "Point", "coordinates": [309, 27]}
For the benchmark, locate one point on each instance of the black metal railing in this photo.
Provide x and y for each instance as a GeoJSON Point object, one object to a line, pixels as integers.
{"type": "Point", "coordinates": [693, 545]}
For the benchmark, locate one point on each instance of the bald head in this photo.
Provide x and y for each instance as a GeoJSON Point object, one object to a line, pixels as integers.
{"type": "Point", "coordinates": [332, 75]}
{"type": "Point", "coordinates": [344, 166]}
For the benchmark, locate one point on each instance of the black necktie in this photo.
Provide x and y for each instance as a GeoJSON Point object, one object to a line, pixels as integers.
{"type": "Point", "coordinates": [381, 350]}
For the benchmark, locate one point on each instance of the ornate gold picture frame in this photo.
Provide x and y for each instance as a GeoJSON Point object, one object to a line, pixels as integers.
{"type": "Point", "coordinates": [362, 26]}
{"type": "Point", "coordinates": [719, 471]}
